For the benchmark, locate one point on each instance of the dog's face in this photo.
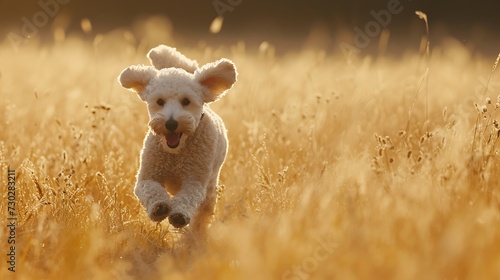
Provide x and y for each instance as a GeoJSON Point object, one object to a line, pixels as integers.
{"type": "Point", "coordinates": [175, 97]}
{"type": "Point", "coordinates": [175, 107]}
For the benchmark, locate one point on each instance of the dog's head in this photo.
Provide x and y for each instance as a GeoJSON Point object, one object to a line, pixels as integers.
{"type": "Point", "coordinates": [175, 91]}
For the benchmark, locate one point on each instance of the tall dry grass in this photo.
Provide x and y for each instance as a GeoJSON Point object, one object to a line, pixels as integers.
{"type": "Point", "coordinates": [307, 191]}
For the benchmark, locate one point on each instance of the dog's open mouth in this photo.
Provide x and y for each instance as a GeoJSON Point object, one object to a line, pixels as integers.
{"type": "Point", "coordinates": [173, 139]}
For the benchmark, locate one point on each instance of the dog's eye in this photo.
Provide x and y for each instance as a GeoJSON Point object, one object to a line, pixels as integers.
{"type": "Point", "coordinates": [185, 102]}
{"type": "Point", "coordinates": [160, 102]}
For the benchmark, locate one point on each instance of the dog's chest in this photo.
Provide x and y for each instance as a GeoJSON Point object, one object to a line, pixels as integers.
{"type": "Point", "coordinates": [172, 170]}
{"type": "Point", "coordinates": [172, 165]}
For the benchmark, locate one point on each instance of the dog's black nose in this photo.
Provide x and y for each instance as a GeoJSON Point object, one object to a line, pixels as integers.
{"type": "Point", "coordinates": [171, 124]}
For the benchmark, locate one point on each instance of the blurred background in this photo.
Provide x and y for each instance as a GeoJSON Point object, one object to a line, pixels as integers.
{"type": "Point", "coordinates": [288, 25]}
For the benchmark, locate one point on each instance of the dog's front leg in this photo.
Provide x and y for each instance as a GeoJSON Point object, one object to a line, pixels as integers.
{"type": "Point", "coordinates": [154, 198]}
{"type": "Point", "coordinates": [186, 203]}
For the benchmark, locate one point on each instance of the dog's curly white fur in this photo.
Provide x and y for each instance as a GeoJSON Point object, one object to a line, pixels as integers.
{"type": "Point", "coordinates": [187, 143]}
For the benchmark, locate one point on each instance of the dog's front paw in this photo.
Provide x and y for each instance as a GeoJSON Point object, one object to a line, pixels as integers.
{"type": "Point", "coordinates": [178, 220]}
{"type": "Point", "coordinates": [159, 211]}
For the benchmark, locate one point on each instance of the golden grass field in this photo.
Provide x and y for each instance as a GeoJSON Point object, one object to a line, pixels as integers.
{"type": "Point", "coordinates": [362, 169]}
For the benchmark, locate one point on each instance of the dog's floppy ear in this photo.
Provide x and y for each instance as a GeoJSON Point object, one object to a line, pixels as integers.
{"type": "Point", "coordinates": [136, 78]}
{"type": "Point", "coordinates": [166, 57]}
{"type": "Point", "coordinates": [216, 78]}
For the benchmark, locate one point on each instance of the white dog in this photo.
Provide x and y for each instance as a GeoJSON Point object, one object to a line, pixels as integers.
{"type": "Point", "coordinates": [186, 144]}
